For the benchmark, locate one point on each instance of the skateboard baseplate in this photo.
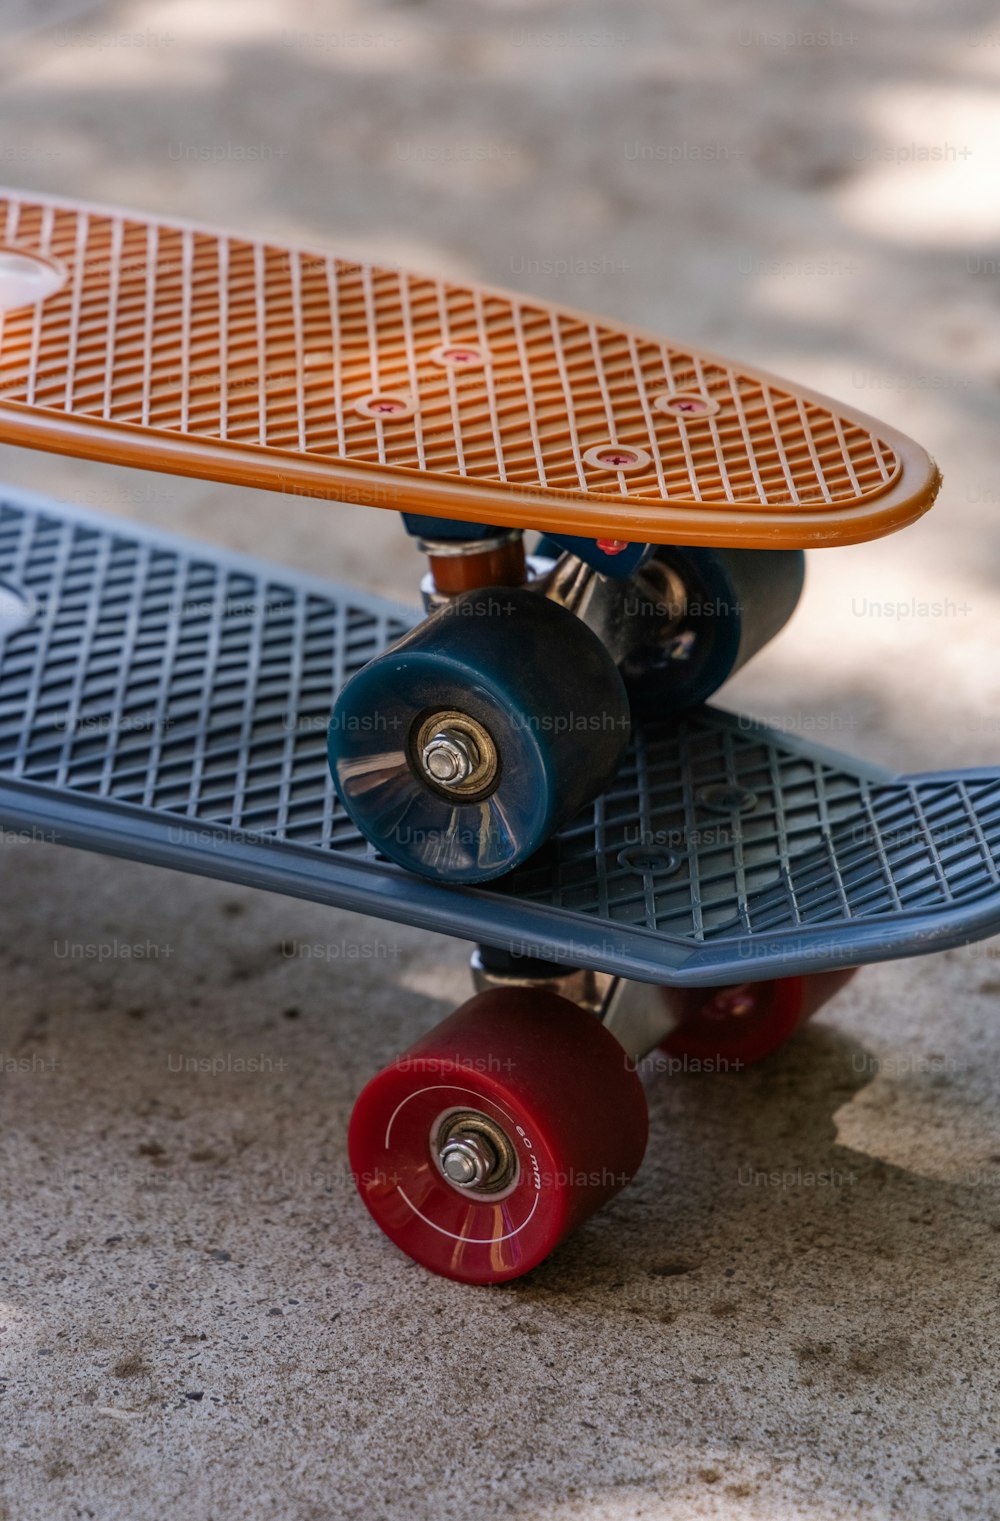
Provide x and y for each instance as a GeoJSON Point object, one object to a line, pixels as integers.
{"type": "Point", "coordinates": [169, 702]}
{"type": "Point", "coordinates": [181, 348]}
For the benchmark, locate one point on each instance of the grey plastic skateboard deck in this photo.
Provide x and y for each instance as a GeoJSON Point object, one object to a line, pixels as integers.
{"type": "Point", "coordinates": [168, 702]}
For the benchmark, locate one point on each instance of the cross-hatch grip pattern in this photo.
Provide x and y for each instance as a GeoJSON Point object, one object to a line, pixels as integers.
{"type": "Point", "coordinates": [182, 348]}
{"type": "Point", "coordinates": [182, 695]}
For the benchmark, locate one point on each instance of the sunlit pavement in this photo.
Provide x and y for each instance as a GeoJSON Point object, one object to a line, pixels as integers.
{"type": "Point", "coordinates": [791, 1313]}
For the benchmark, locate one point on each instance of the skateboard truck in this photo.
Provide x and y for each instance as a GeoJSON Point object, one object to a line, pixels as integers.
{"type": "Point", "coordinates": [465, 556]}
{"type": "Point", "coordinates": [639, 1015]}
{"type": "Point", "coordinates": [476, 1154]}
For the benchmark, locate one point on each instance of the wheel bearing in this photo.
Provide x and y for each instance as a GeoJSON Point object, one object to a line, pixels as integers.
{"type": "Point", "coordinates": [473, 1153]}
{"type": "Point", "coordinates": [455, 755]}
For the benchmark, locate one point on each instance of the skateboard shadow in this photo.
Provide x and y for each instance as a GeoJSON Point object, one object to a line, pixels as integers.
{"type": "Point", "coordinates": [746, 1190]}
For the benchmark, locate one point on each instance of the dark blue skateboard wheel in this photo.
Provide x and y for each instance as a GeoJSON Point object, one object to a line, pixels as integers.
{"type": "Point", "coordinates": [733, 602]}
{"type": "Point", "coordinates": [459, 751]}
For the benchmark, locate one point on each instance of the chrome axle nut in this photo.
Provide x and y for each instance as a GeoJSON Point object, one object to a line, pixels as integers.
{"type": "Point", "coordinates": [467, 1160]}
{"type": "Point", "coordinates": [454, 753]}
{"type": "Point", "coordinates": [473, 1153]}
{"type": "Point", "coordinates": [450, 757]}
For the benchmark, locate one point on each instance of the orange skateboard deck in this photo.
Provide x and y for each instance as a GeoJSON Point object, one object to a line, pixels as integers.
{"type": "Point", "coordinates": [174, 347]}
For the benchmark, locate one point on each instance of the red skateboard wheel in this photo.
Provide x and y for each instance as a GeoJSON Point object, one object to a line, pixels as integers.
{"type": "Point", "coordinates": [744, 1023]}
{"type": "Point", "coordinates": [495, 1135]}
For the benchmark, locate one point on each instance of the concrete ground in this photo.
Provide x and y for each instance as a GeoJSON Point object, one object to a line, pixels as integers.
{"type": "Point", "coordinates": [197, 1318]}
